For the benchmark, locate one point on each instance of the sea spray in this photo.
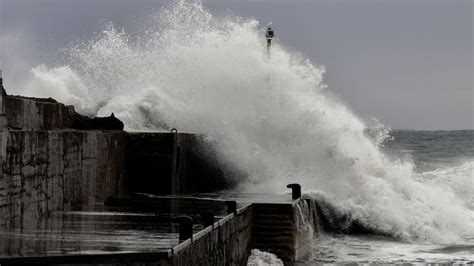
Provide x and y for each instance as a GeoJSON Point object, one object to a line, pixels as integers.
{"type": "Point", "coordinates": [307, 229]}
{"type": "Point", "coordinates": [262, 258]}
{"type": "Point", "coordinates": [271, 117]}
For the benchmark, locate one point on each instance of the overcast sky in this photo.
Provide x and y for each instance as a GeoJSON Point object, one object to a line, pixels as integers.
{"type": "Point", "coordinates": [408, 63]}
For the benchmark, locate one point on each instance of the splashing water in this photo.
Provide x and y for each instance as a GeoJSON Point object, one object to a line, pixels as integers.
{"type": "Point", "coordinates": [271, 117]}
{"type": "Point", "coordinates": [262, 258]}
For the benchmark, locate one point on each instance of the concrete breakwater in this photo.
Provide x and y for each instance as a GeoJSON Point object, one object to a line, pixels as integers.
{"type": "Point", "coordinates": [49, 171]}
{"type": "Point", "coordinates": [48, 165]}
{"type": "Point", "coordinates": [229, 241]}
{"type": "Point", "coordinates": [54, 161]}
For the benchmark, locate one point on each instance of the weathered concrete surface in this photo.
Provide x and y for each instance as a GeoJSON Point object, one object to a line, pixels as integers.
{"type": "Point", "coordinates": [172, 205]}
{"type": "Point", "coordinates": [126, 258]}
{"type": "Point", "coordinates": [226, 243]}
{"type": "Point", "coordinates": [95, 231]}
{"type": "Point", "coordinates": [25, 113]}
{"type": "Point", "coordinates": [282, 229]}
{"type": "Point", "coordinates": [44, 171]}
{"type": "Point", "coordinates": [46, 166]}
{"type": "Point", "coordinates": [41, 114]}
{"type": "Point", "coordinates": [102, 233]}
{"type": "Point", "coordinates": [3, 125]}
{"type": "Point", "coordinates": [172, 163]}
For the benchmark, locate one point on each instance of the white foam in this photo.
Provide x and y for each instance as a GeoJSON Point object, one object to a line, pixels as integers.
{"type": "Point", "coordinates": [458, 178]}
{"type": "Point", "coordinates": [378, 250]}
{"type": "Point", "coordinates": [262, 258]}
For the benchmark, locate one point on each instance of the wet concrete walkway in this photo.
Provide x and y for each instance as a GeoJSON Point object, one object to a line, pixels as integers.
{"type": "Point", "coordinates": [135, 228]}
{"type": "Point", "coordinates": [132, 225]}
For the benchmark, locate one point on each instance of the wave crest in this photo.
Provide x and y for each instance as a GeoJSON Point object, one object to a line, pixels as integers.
{"type": "Point", "coordinates": [269, 116]}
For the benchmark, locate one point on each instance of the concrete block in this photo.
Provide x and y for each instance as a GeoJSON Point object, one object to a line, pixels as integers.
{"type": "Point", "coordinates": [58, 170]}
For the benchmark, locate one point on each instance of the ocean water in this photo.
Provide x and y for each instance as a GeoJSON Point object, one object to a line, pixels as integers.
{"type": "Point", "coordinates": [272, 119]}
{"type": "Point", "coordinates": [431, 150]}
{"type": "Point", "coordinates": [438, 156]}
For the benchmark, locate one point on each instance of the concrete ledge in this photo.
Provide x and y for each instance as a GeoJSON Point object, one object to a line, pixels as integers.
{"type": "Point", "coordinates": [282, 229]}
{"type": "Point", "coordinates": [224, 220]}
{"type": "Point", "coordinates": [243, 209]}
{"type": "Point", "coordinates": [227, 242]}
{"type": "Point", "coordinates": [203, 232]}
{"type": "Point", "coordinates": [183, 245]}
{"type": "Point", "coordinates": [278, 228]}
{"type": "Point", "coordinates": [160, 257]}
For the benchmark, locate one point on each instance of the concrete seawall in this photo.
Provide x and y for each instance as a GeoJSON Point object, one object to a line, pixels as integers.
{"type": "Point", "coordinates": [49, 163]}
{"type": "Point", "coordinates": [48, 166]}
{"type": "Point", "coordinates": [227, 242]}
{"type": "Point", "coordinates": [45, 171]}
{"type": "Point", "coordinates": [40, 114]}
{"type": "Point", "coordinates": [173, 164]}
{"type": "Point", "coordinates": [283, 229]}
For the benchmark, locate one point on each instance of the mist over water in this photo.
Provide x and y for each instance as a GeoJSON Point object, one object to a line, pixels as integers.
{"type": "Point", "coordinates": [271, 117]}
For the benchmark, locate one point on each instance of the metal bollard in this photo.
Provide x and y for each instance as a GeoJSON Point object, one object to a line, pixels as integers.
{"type": "Point", "coordinates": [231, 206]}
{"type": "Point", "coordinates": [207, 218]}
{"type": "Point", "coordinates": [295, 190]}
{"type": "Point", "coordinates": [185, 227]}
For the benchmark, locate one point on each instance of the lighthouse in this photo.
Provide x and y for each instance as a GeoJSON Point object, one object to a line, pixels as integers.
{"type": "Point", "coordinates": [269, 35]}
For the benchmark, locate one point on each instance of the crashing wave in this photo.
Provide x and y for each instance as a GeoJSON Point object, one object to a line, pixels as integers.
{"type": "Point", "coordinates": [270, 117]}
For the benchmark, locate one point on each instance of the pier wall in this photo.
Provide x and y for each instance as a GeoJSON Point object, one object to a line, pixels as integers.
{"type": "Point", "coordinates": [44, 171]}
{"type": "Point", "coordinates": [46, 165]}
{"type": "Point", "coordinates": [52, 158]}
{"type": "Point", "coordinates": [227, 242]}
{"type": "Point", "coordinates": [173, 164]}
{"type": "Point", "coordinates": [36, 114]}
{"type": "Point", "coordinates": [282, 229]}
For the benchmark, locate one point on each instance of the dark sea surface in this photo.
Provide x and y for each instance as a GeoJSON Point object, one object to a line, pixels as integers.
{"type": "Point", "coordinates": [431, 150]}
